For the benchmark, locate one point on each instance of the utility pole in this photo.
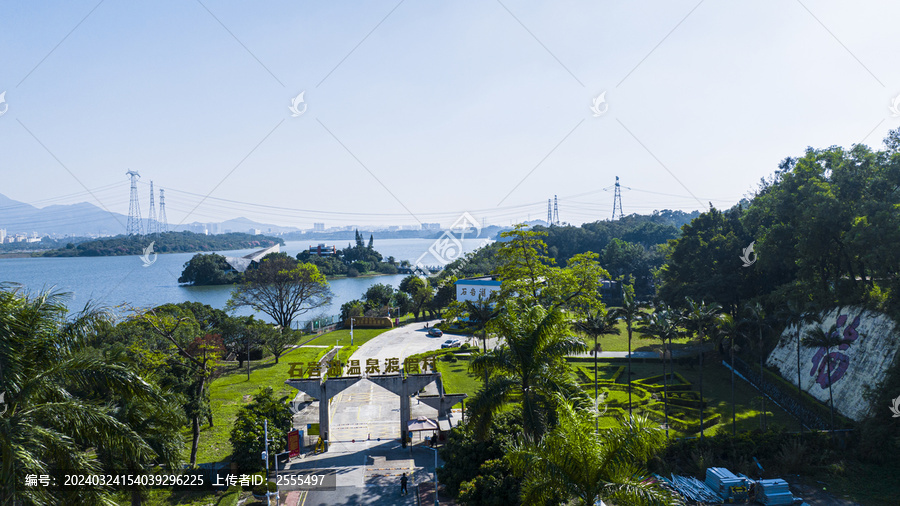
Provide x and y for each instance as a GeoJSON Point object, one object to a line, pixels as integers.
{"type": "Point", "coordinates": [152, 224]}
{"type": "Point", "coordinates": [134, 207]}
{"type": "Point", "coordinates": [265, 457]}
{"type": "Point", "coordinates": [617, 201]}
{"type": "Point", "coordinates": [163, 222]}
{"type": "Point", "coordinates": [435, 475]}
{"type": "Point", "coordinates": [555, 212]}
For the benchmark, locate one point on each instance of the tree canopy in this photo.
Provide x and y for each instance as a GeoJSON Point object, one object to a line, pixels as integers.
{"type": "Point", "coordinates": [282, 288]}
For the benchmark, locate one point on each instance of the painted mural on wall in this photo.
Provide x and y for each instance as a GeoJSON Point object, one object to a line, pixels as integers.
{"type": "Point", "coordinates": [869, 348]}
{"type": "Point", "coordinates": [837, 362]}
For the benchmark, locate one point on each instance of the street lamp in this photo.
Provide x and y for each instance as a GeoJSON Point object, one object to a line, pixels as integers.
{"type": "Point", "coordinates": [435, 474]}
{"type": "Point", "coordinates": [351, 331]}
{"type": "Point", "coordinates": [265, 456]}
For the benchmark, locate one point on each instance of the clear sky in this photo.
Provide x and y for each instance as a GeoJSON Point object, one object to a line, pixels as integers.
{"type": "Point", "coordinates": [417, 111]}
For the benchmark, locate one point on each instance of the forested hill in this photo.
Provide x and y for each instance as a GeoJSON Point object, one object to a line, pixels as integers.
{"type": "Point", "coordinates": [629, 248]}
{"type": "Point", "coordinates": [167, 242]}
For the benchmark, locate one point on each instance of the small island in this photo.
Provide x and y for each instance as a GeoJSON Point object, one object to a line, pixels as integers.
{"type": "Point", "coordinates": [359, 259]}
{"type": "Point", "coordinates": [165, 242]}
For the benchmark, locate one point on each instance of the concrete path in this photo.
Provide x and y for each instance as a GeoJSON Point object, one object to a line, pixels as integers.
{"type": "Point", "coordinates": [368, 473]}
{"type": "Point", "coordinates": [366, 411]}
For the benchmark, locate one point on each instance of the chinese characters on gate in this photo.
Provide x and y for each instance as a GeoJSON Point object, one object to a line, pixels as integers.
{"type": "Point", "coordinates": [336, 368]}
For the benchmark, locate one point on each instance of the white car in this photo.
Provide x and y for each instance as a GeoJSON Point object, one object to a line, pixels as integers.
{"type": "Point", "coordinates": [452, 343]}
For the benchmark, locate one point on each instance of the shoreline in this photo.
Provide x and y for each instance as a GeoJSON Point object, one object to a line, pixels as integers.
{"type": "Point", "coordinates": [327, 278]}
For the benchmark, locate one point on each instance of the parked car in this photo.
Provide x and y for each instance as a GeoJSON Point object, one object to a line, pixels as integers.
{"type": "Point", "coordinates": [435, 332]}
{"type": "Point", "coordinates": [452, 343]}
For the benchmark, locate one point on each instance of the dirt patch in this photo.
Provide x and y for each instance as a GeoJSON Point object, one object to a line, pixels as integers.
{"type": "Point", "coordinates": [815, 496]}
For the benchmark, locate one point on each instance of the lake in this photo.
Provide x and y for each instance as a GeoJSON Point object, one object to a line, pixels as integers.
{"type": "Point", "coordinates": [123, 281]}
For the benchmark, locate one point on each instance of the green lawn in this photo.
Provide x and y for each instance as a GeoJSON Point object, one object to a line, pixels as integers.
{"type": "Point", "coordinates": [457, 379]}
{"type": "Point", "coordinates": [619, 342]}
{"type": "Point", "coordinates": [716, 392]}
{"type": "Point", "coordinates": [342, 337]}
{"type": "Point", "coordinates": [231, 391]}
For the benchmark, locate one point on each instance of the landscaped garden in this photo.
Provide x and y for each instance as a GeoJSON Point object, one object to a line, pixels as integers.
{"type": "Point", "coordinates": [647, 394]}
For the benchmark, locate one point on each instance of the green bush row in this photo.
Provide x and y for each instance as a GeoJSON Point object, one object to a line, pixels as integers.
{"type": "Point", "coordinates": [685, 425]}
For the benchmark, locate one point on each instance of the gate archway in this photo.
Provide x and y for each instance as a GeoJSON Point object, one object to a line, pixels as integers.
{"type": "Point", "coordinates": [403, 385]}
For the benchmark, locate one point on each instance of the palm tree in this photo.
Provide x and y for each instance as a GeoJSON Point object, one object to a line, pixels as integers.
{"type": "Point", "coordinates": [61, 397]}
{"type": "Point", "coordinates": [600, 324]}
{"type": "Point", "coordinates": [729, 327]}
{"type": "Point", "coordinates": [576, 462]}
{"type": "Point", "coordinates": [631, 313]}
{"type": "Point", "coordinates": [528, 369]}
{"type": "Point", "coordinates": [661, 325]}
{"type": "Point", "coordinates": [481, 313]}
{"type": "Point", "coordinates": [817, 337]}
{"type": "Point", "coordinates": [757, 316]}
{"type": "Point", "coordinates": [700, 318]}
{"type": "Point", "coordinates": [794, 315]}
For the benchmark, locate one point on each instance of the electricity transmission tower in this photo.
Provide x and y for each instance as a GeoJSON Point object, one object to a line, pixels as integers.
{"type": "Point", "coordinates": [555, 212]}
{"type": "Point", "coordinates": [549, 213]}
{"type": "Point", "coordinates": [152, 224]}
{"type": "Point", "coordinates": [134, 207]}
{"type": "Point", "coordinates": [617, 201]}
{"type": "Point", "coordinates": [163, 225]}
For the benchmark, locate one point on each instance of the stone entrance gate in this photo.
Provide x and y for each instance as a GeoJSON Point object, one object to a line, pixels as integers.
{"type": "Point", "coordinates": [404, 385]}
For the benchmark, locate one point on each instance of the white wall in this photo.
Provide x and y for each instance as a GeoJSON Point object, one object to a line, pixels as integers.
{"type": "Point", "coordinates": [867, 360]}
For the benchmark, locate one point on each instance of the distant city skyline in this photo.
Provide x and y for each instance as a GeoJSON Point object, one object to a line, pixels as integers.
{"type": "Point", "coordinates": [403, 113]}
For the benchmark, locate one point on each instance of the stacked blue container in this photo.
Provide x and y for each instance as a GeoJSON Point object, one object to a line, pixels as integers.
{"type": "Point", "coordinates": [774, 493]}
{"type": "Point", "coordinates": [726, 485]}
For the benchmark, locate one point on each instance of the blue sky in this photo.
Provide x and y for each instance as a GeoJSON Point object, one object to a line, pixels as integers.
{"type": "Point", "coordinates": [418, 111]}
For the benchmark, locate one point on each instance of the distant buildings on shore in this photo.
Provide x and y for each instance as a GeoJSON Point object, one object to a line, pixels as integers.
{"type": "Point", "coordinates": [7, 238]}
{"type": "Point", "coordinates": [323, 250]}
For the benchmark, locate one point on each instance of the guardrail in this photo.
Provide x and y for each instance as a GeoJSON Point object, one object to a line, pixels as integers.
{"type": "Point", "coordinates": [771, 390]}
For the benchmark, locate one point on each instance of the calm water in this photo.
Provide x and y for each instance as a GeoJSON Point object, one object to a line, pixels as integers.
{"type": "Point", "coordinates": [125, 281]}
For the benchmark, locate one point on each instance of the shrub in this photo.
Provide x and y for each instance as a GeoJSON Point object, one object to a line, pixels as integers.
{"type": "Point", "coordinates": [248, 432]}
{"type": "Point", "coordinates": [262, 488]}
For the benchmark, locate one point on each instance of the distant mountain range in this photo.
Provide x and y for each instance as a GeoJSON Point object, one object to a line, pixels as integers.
{"type": "Point", "coordinates": [88, 220]}
{"type": "Point", "coordinates": [85, 219]}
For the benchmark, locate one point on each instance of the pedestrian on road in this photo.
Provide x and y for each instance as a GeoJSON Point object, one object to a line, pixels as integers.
{"type": "Point", "coordinates": [403, 480]}
{"type": "Point", "coordinates": [426, 325]}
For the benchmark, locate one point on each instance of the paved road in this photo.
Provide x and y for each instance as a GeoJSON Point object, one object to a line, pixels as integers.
{"type": "Point", "coordinates": [367, 411]}
{"type": "Point", "coordinates": [368, 470]}
{"type": "Point", "coordinates": [401, 342]}
{"type": "Point", "coordinates": [368, 473]}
